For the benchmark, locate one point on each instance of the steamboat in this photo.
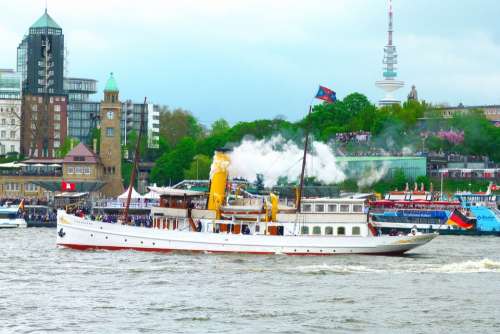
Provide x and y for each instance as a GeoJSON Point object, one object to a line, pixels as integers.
{"type": "Point", "coordinates": [222, 222]}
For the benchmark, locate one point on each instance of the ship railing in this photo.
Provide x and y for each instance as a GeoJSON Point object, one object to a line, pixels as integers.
{"type": "Point", "coordinates": [120, 204]}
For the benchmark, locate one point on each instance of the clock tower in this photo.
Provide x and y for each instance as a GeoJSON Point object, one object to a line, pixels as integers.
{"type": "Point", "coordinates": [110, 146]}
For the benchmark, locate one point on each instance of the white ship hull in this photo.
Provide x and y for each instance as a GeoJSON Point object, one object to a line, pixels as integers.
{"type": "Point", "coordinates": [12, 223]}
{"type": "Point", "coordinates": [79, 233]}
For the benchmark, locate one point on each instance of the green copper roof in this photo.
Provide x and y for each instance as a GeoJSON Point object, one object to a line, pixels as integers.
{"type": "Point", "coordinates": [111, 85]}
{"type": "Point", "coordinates": [45, 21]}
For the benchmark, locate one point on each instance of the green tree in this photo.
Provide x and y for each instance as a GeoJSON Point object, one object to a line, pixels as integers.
{"type": "Point", "coordinates": [169, 168]}
{"type": "Point", "coordinates": [220, 126]}
{"type": "Point", "coordinates": [398, 179]}
{"type": "Point", "coordinates": [177, 124]}
{"type": "Point", "coordinates": [199, 168]}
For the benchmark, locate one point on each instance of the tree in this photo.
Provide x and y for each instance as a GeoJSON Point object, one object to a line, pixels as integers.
{"type": "Point", "coordinates": [169, 168]}
{"type": "Point", "coordinates": [199, 169]}
{"type": "Point", "coordinates": [220, 126]}
{"type": "Point", "coordinates": [399, 179]}
{"type": "Point", "coordinates": [177, 124]}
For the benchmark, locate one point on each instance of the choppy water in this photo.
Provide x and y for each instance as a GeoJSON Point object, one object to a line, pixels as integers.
{"type": "Point", "coordinates": [451, 285]}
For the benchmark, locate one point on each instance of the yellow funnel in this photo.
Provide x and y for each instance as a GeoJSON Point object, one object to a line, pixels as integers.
{"type": "Point", "coordinates": [218, 180]}
{"type": "Point", "coordinates": [274, 206]}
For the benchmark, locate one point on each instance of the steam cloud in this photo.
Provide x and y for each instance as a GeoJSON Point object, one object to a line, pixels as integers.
{"type": "Point", "coordinates": [373, 174]}
{"type": "Point", "coordinates": [277, 157]}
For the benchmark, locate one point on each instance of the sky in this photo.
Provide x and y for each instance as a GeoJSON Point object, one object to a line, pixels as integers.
{"type": "Point", "coordinates": [251, 59]}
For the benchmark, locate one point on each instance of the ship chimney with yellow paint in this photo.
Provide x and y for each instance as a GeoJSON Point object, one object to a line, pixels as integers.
{"type": "Point", "coordinates": [218, 180]}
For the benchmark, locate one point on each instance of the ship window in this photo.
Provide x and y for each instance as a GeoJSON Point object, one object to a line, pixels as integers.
{"type": "Point", "coordinates": [332, 207]}
{"type": "Point", "coordinates": [306, 208]}
{"type": "Point", "coordinates": [356, 230]}
{"type": "Point", "coordinates": [257, 228]}
{"type": "Point", "coordinates": [329, 230]}
{"type": "Point", "coordinates": [316, 230]}
{"type": "Point", "coordinates": [341, 230]}
{"type": "Point", "coordinates": [357, 208]}
{"type": "Point", "coordinates": [344, 207]}
{"type": "Point", "coordinates": [304, 230]}
{"type": "Point", "coordinates": [319, 208]}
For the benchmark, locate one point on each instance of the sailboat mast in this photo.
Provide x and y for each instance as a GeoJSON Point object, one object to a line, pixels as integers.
{"type": "Point", "coordinates": [136, 162]}
{"type": "Point", "coordinates": [301, 185]}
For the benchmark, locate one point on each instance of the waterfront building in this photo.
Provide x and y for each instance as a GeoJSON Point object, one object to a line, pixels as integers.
{"type": "Point", "coordinates": [10, 112]}
{"type": "Point", "coordinates": [386, 166]}
{"type": "Point", "coordinates": [491, 112]}
{"type": "Point", "coordinates": [110, 143]}
{"type": "Point", "coordinates": [40, 62]}
{"type": "Point", "coordinates": [389, 84]}
{"type": "Point", "coordinates": [83, 114]}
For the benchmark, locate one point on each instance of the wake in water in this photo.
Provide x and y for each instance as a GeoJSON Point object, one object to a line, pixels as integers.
{"type": "Point", "coordinates": [479, 266]}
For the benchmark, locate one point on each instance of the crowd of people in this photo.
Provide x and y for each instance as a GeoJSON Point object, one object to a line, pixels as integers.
{"type": "Point", "coordinates": [357, 136]}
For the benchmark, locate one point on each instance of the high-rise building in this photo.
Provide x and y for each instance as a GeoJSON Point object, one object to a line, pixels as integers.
{"type": "Point", "coordinates": [389, 84]}
{"type": "Point", "coordinates": [83, 114]}
{"type": "Point", "coordinates": [131, 121]}
{"type": "Point", "coordinates": [40, 61]}
{"type": "Point", "coordinates": [10, 112]}
{"type": "Point", "coordinates": [40, 58]}
{"type": "Point", "coordinates": [110, 143]}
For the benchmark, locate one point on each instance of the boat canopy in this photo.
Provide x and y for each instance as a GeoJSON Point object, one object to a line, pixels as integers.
{"type": "Point", "coordinates": [151, 195]}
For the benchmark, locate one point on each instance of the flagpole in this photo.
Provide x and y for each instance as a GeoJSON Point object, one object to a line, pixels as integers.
{"type": "Point", "coordinates": [301, 185]}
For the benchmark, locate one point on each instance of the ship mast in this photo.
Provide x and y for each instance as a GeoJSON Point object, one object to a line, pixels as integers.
{"type": "Point", "coordinates": [136, 162]}
{"type": "Point", "coordinates": [301, 185]}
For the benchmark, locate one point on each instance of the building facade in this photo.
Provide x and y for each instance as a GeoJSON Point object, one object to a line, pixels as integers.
{"type": "Point", "coordinates": [110, 143]}
{"type": "Point", "coordinates": [491, 112]}
{"type": "Point", "coordinates": [83, 114]}
{"type": "Point", "coordinates": [40, 62]}
{"type": "Point", "coordinates": [384, 166]}
{"type": "Point", "coordinates": [10, 112]}
{"type": "Point", "coordinates": [131, 121]}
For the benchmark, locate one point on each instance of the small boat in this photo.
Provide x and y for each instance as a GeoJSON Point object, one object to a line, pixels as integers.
{"type": "Point", "coordinates": [10, 216]}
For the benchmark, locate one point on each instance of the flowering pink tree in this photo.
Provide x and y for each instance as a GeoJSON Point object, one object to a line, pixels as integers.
{"type": "Point", "coordinates": [454, 137]}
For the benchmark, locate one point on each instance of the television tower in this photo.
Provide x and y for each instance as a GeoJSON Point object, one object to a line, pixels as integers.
{"type": "Point", "coordinates": [389, 84]}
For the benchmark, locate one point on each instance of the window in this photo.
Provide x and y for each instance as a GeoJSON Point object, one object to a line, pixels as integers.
{"type": "Point", "coordinates": [344, 207]}
{"type": "Point", "coordinates": [319, 208]}
{"type": "Point", "coordinates": [57, 126]}
{"type": "Point", "coordinates": [78, 170]}
{"type": "Point", "coordinates": [3, 134]}
{"type": "Point", "coordinates": [110, 114]}
{"type": "Point", "coordinates": [79, 158]}
{"type": "Point", "coordinates": [4, 121]}
{"type": "Point", "coordinates": [12, 134]}
{"type": "Point", "coordinates": [316, 230]}
{"type": "Point", "coordinates": [329, 230]}
{"type": "Point", "coordinates": [30, 187]}
{"type": "Point", "coordinates": [57, 117]}
{"type": "Point", "coordinates": [12, 121]}
{"type": "Point", "coordinates": [86, 170]}
{"type": "Point", "coordinates": [12, 148]}
{"type": "Point", "coordinates": [57, 108]}
{"type": "Point", "coordinates": [110, 132]}
{"type": "Point", "coordinates": [356, 230]}
{"type": "Point", "coordinates": [332, 207]}
{"type": "Point", "coordinates": [357, 208]}
{"type": "Point", "coordinates": [341, 230]}
{"type": "Point", "coordinates": [304, 230]}
{"type": "Point", "coordinates": [71, 170]}
{"type": "Point", "coordinates": [306, 207]}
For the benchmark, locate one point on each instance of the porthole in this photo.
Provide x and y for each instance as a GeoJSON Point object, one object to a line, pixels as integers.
{"type": "Point", "coordinates": [91, 234]}
{"type": "Point", "coordinates": [153, 243]}
{"type": "Point", "coordinates": [142, 242]}
{"type": "Point", "coordinates": [125, 240]}
{"type": "Point", "coordinates": [106, 237]}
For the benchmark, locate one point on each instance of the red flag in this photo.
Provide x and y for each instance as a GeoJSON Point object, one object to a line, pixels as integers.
{"type": "Point", "coordinates": [68, 186]}
{"type": "Point", "coordinates": [326, 94]}
{"type": "Point", "coordinates": [494, 187]}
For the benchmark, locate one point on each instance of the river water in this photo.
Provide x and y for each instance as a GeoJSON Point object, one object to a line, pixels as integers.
{"type": "Point", "coordinates": [451, 285]}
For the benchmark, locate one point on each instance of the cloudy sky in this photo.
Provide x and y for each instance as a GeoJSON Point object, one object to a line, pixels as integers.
{"type": "Point", "coordinates": [249, 59]}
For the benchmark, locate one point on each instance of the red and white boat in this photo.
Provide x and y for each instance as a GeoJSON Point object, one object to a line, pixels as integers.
{"type": "Point", "coordinates": [195, 221]}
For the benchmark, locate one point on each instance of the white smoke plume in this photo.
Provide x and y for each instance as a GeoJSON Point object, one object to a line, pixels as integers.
{"type": "Point", "coordinates": [278, 157]}
{"type": "Point", "coordinates": [373, 174]}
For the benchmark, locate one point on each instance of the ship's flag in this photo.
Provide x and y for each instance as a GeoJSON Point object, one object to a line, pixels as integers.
{"type": "Point", "coordinates": [68, 186]}
{"type": "Point", "coordinates": [326, 94]}
{"type": "Point", "coordinates": [494, 187]}
{"type": "Point", "coordinates": [457, 218]}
